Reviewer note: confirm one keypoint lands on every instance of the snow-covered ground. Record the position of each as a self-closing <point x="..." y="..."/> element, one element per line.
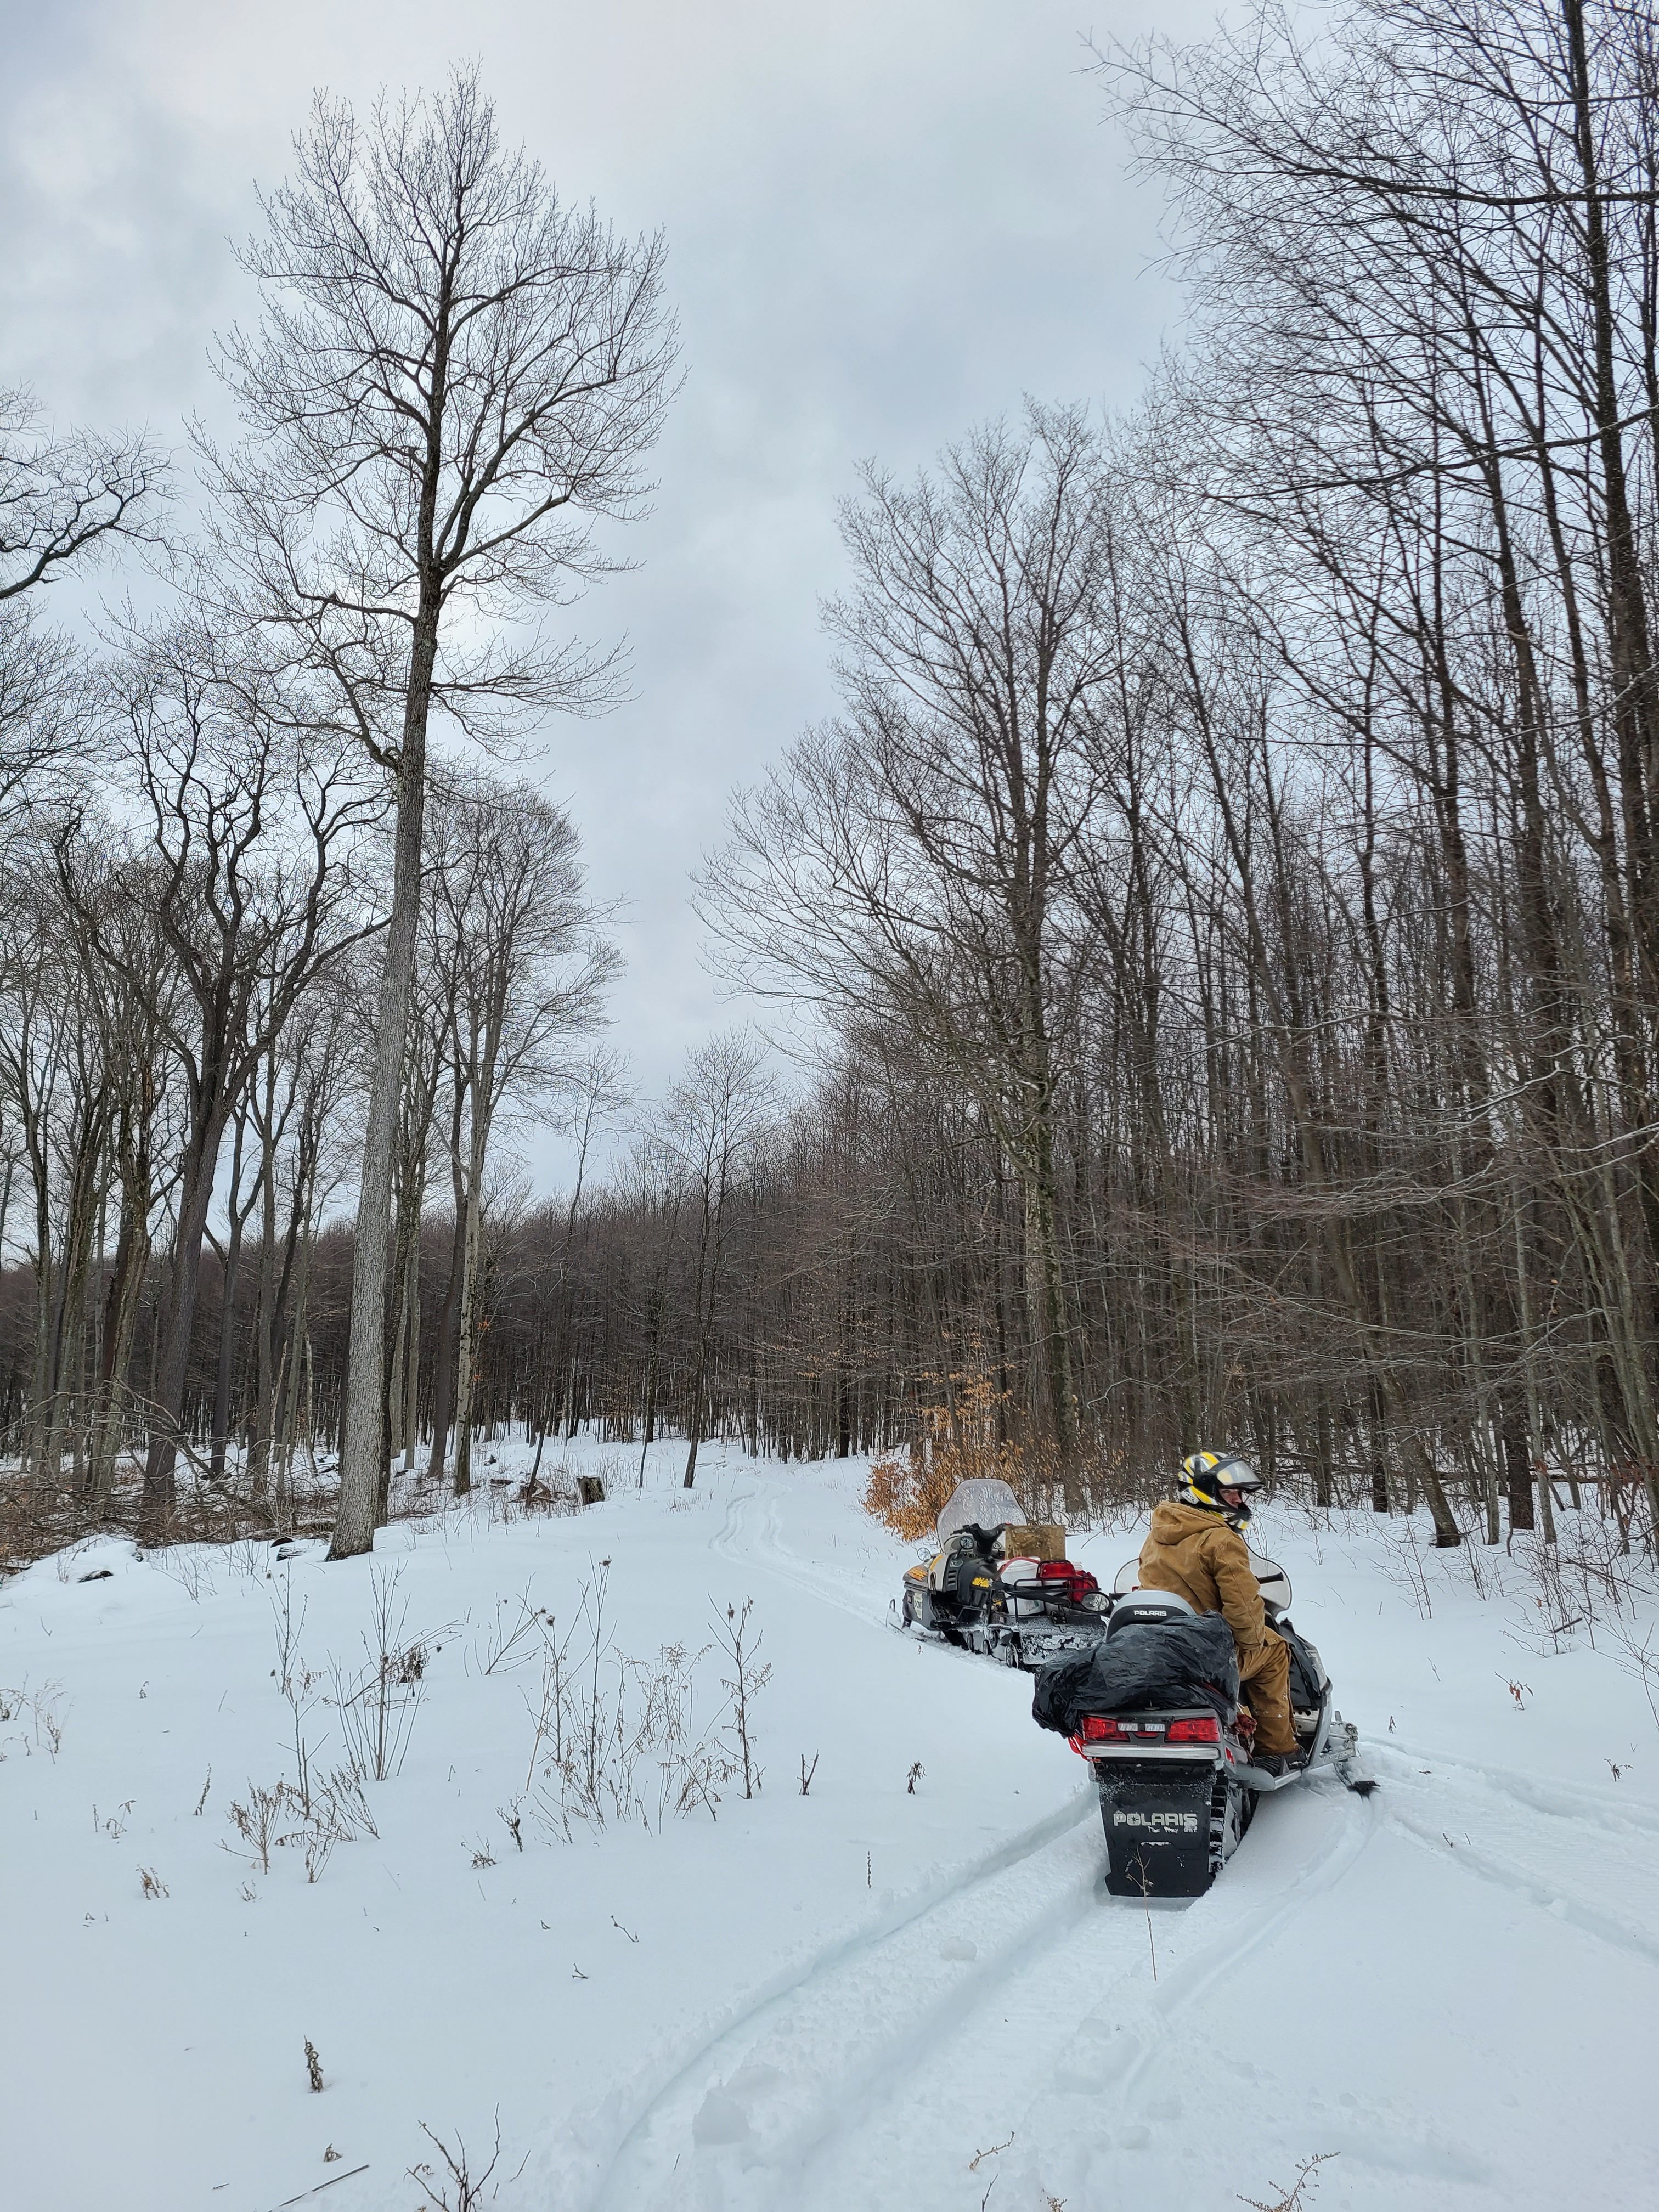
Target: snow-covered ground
<point x="871" y="1996"/>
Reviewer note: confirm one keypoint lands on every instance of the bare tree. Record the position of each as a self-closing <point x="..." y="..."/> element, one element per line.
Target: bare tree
<point x="250" y="819"/>
<point x="38" y="1030"/>
<point x="913" y="856"/>
<point x="717" y="1113"/>
<point x="595" y="1092"/>
<point x="525" y="969"/>
<point x="457" y="374"/>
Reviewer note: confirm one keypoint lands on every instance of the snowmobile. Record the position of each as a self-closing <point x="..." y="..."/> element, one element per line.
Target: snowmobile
<point x="1000" y="1585"/>
<point x="1172" y="1757"/>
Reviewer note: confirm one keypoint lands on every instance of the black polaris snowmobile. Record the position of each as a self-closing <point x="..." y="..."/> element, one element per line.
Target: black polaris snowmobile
<point x="999" y="1585"/>
<point x="1155" y="1711"/>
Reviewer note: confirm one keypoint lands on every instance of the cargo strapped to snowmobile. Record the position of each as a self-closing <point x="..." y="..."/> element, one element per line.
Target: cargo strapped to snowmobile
<point x="1179" y="1661"/>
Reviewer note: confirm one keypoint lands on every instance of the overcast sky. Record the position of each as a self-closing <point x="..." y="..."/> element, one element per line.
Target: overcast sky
<point x="885" y="218"/>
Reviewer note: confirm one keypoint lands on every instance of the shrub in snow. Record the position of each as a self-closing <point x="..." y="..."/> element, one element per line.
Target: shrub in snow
<point x="747" y="1680"/>
<point x="615" y="1739"/>
<point x="335" y="1811"/>
<point x="1301" y="2191"/>
<point x="32" y="1720"/>
<point x="435" y="2186"/>
<point x="377" y="1703"/>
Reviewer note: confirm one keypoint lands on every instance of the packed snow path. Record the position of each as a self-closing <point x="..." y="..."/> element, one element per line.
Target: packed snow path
<point x="871" y="1996"/>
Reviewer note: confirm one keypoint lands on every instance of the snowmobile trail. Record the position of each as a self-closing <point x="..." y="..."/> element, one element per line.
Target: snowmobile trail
<point x="1515" y="1858"/>
<point x="1539" y="1888"/>
<point x="964" y="2008"/>
<point x="1234" y="1928"/>
<point x="740" y="1541"/>
<point x="746" y="2116"/>
<point x="1566" y="1852"/>
<point x="765" y="2086"/>
<point x="1589" y="1804"/>
<point x="1001" y="2060"/>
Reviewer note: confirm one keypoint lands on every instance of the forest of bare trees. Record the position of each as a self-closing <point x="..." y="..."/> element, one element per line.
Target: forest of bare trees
<point x="1218" y="935"/>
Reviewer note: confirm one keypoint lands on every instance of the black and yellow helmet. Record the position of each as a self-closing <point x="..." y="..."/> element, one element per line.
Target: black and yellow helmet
<point x="1207" y="1473"/>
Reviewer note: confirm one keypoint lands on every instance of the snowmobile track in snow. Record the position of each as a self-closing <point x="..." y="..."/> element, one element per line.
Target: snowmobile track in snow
<point x="844" y="1593"/>
<point x="1243" y="1928"/>
<point x="803" y="2094"/>
<point x="998" y="2057"/>
<point x="855" y="1999"/>
<point x="1593" y="1804"/>
<point x="1491" y="1834"/>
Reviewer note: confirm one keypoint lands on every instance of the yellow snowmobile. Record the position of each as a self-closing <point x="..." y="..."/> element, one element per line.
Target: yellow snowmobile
<point x="1000" y="1585"/>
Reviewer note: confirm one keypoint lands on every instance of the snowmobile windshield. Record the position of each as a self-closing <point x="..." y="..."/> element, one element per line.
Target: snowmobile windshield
<point x="979" y="1503"/>
<point x="1275" y="1582"/>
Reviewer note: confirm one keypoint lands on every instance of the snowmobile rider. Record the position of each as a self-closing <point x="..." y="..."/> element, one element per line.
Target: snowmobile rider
<point x="1196" y="1549"/>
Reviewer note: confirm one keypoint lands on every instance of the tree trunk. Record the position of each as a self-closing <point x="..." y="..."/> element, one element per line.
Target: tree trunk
<point x="172" y="1365"/>
<point x="467" y="1350"/>
<point x="443" y="1362"/>
<point x="121" y="1327"/>
<point x="228" y="1310"/>
<point x="363" y="1413"/>
<point x="1517" y="1466"/>
<point x="412" y="1357"/>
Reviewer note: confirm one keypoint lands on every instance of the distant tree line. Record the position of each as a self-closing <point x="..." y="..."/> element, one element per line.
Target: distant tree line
<point x="1224" y="910"/>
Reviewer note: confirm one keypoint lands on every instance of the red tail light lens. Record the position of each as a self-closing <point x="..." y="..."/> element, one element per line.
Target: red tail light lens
<point x="1207" y="1730"/>
<point x="1080" y="1582"/>
<point x="1097" y="1729"/>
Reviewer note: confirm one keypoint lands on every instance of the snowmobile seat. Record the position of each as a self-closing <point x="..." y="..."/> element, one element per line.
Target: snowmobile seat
<point x="1148" y="1607"/>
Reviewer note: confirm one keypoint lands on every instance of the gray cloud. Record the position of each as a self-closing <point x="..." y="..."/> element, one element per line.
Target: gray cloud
<point x="885" y="220"/>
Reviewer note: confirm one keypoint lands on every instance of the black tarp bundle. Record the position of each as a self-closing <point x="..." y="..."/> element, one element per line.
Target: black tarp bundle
<point x="1189" y="1660"/>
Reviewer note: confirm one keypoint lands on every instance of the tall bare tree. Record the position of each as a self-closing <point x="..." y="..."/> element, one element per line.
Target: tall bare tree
<point x="457" y="376"/>
<point x="718" y="1113"/>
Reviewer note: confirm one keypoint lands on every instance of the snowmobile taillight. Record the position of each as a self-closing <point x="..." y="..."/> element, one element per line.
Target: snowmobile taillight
<point x="1204" y="1730"/>
<point x="1080" y="1580"/>
<point x="1097" y="1729"/>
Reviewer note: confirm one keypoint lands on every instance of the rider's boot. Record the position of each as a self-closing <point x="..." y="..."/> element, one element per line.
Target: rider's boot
<point x="1277" y="1762"/>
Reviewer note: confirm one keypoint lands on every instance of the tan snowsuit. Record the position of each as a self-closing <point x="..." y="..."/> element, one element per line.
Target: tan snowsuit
<point x="1197" y="1555"/>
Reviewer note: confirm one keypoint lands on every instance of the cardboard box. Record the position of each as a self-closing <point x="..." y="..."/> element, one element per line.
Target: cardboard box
<point x="1036" y="1540"/>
